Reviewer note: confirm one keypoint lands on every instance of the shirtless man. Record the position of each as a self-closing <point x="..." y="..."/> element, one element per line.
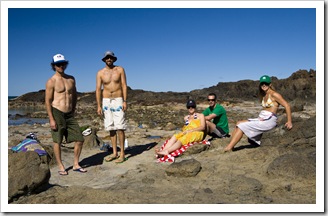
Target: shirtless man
<point x="60" y="100"/>
<point x="113" y="104"/>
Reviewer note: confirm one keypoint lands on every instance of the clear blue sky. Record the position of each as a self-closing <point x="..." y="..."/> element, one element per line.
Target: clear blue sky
<point x="161" y="49"/>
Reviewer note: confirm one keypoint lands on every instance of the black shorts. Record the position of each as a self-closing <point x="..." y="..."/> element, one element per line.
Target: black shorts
<point x="223" y="133"/>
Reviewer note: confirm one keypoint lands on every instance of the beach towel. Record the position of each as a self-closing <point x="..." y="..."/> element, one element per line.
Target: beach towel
<point x="29" y="145"/>
<point x="170" y="157"/>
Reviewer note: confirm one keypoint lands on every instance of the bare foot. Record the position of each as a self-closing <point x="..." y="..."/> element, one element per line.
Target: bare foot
<point x="162" y="153"/>
<point x="157" y="150"/>
<point x="226" y="150"/>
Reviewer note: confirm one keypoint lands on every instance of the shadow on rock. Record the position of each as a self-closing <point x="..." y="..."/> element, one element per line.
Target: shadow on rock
<point x="136" y="150"/>
<point x="93" y="160"/>
<point x="249" y="146"/>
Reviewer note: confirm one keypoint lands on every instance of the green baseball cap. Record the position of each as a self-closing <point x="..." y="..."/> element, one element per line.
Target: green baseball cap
<point x="265" y="79"/>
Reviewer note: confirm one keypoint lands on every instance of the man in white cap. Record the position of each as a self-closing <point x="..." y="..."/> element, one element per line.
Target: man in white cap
<point x="111" y="81"/>
<point x="60" y="100"/>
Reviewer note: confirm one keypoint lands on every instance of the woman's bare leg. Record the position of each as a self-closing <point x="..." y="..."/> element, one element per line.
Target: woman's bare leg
<point x="235" y="138"/>
<point x="170" y="149"/>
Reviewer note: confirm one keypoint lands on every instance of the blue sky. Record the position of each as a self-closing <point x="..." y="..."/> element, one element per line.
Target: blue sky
<point x="161" y="49"/>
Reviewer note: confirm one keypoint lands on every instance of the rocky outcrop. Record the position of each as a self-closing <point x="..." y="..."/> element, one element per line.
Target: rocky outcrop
<point x="281" y="170"/>
<point x="154" y="109"/>
<point x="301" y="85"/>
<point x="27" y="173"/>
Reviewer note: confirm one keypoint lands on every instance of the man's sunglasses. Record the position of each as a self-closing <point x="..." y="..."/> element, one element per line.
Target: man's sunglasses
<point x="61" y="65"/>
<point x="211" y="99"/>
<point x="188" y="107"/>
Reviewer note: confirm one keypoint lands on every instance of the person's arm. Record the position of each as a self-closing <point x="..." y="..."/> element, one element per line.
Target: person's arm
<point x="74" y="96"/>
<point x="201" y="117"/>
<point x="207" y="114"/>
<point x="285" y="104"/>
<point x="124" y="89"/>
<point x="49" y="96"/>
<point x="98" y="93"/>
<point x="202" y="122"/>
<point x="210" y="117"/>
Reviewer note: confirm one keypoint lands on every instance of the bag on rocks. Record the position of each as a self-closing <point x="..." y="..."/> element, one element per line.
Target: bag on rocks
<point x="30" y="144"/>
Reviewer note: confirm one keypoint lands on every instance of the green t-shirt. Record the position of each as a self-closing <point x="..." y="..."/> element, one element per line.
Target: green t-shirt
<point x="221" y="119"/>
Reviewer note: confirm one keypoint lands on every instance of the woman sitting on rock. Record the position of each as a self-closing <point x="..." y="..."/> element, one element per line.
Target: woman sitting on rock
<point x="267" y="120"/>
<point x="192" y="131"/>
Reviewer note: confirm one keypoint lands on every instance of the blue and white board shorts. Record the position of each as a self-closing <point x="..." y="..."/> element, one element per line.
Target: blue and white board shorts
<point x="114" y="116"/>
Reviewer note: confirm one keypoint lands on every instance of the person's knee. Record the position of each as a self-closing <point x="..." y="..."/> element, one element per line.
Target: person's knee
<point x="120" y="131"/>
<point x="238" y="122"/>
<point x="209" y="123"/>
<point x="79" y="143"/>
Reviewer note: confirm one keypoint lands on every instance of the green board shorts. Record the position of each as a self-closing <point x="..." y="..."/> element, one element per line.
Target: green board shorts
<point x="67" y="127"/>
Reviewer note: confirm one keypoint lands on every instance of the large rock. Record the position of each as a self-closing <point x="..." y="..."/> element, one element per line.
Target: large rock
<point x="293" y="166"/>
<point x="92" y="140"/>
<point x="303" y="133"/>
<point x="185" y="168"/>
<point x="27" y="172"/>
<point x="196" y="149"/>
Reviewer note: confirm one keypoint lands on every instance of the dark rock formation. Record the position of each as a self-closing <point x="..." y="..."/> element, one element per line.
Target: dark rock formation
<point x="300" y="85"/>
<point x="27" y="172"/>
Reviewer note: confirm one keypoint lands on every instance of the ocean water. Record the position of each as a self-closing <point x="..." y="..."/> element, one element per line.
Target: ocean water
<point x="12" y="97"/>
<point x="12" y="120"/>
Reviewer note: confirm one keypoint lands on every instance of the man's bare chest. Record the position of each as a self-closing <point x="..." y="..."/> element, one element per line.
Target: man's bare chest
<point x="64" y="85"/>
<point x="111" y="76"/>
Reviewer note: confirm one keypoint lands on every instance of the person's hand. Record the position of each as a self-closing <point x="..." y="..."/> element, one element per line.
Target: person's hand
<point x="53" y="125"/>
<point x="288" y="125"/>
<point x="187" y="131"/>
<point x="99" y="111"/>
<point x="125" y="106"/>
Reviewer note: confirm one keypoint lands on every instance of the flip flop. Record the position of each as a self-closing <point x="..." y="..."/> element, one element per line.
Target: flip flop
<point x="119" y="161"/>
<point x="110" y="158"/>
<point x="63" y="173"/>
<point x="81" y="170"/>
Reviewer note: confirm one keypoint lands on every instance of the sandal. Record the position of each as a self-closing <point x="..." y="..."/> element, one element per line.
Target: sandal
<point x="110" y="158"/>
<point x="121" y="160"/>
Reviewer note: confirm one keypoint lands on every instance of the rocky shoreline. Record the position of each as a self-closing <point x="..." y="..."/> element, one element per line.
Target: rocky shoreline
<point x="270" y="174"/>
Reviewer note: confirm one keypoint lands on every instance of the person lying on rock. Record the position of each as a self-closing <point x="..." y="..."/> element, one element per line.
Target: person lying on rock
<point x="267" y="120"/>
<point x="192" y="131"/>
